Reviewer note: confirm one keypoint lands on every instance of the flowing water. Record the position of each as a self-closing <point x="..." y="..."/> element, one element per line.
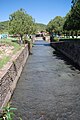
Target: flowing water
<point x="49" y="87"/>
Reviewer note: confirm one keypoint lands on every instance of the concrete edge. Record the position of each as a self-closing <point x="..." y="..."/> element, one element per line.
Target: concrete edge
<point x="13" y="86"/>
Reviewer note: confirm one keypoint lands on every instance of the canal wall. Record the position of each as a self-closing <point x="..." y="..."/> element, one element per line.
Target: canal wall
<point x="10" y="74"/>
<point x="71" y="49"/>
<point x="47" y="38"/>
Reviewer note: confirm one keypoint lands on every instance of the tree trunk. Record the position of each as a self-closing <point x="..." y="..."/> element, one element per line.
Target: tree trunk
<point x="76" y="33"/>
<point x="72" y="34"/>
<point x="21" y="39"/>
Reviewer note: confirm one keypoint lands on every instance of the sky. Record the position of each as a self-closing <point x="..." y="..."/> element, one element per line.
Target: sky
<point x="41" y="10"/>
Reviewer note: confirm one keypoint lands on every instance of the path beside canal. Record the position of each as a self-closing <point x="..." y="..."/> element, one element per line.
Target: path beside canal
<point x="49" y="87"/>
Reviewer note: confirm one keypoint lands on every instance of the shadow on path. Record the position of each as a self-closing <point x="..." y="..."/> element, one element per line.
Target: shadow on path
<point x="67" y="61"/>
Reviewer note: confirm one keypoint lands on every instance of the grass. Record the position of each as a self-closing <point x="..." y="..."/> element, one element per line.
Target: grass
<point x="8" y="113"/>
<point x="16" y="48"/>
<point x="0" y="52"/>
<point x="4" y="61"/>
<point x="14" y="44"/>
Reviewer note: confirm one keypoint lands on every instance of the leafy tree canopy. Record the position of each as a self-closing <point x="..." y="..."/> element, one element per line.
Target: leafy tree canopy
<point x="21" y="23"/>
<point x="72" y="21"/>
<point x="56" y="24"/>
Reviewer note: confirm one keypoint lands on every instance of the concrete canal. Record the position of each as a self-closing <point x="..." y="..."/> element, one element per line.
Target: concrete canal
<point x="49" y="87"/>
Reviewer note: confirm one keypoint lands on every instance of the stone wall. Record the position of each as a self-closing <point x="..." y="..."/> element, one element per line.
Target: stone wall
<point x="47" y="38"/>
<point x="69" y="48"/>
<point x="10" y="74"/>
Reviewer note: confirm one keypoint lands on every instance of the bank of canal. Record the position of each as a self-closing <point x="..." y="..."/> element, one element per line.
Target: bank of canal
<point x="49" y="87"/>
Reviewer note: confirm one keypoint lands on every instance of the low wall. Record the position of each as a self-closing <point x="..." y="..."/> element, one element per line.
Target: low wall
<point x="69" y="48"/>
<point x="47" y="38"/>
<point x="10" y="74"/>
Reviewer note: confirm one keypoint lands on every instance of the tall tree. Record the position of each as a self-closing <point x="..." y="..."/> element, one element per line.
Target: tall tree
<point x="72" y="21"/>
<point x="74" y="2"/>
<point x="20" y="23"/>
<point x="56" y="24"/>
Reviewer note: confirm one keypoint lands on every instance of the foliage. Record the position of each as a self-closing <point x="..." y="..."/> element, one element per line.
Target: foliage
<point x="8" y="113"/>
<point x="4" y="61"/>
<point x="67" y="24"/>
<point x="16" y="48"/>
<point x="74" y="2"/>
<point x="50" y="26"/>
<point x="35" y="27"/>
<point x="4" y="26"/>
<point x="40" y="27"/>
<point x="72" y="21"/>
<point x="55" y="25"/>
<point x="10" y="42"/>
<point x="21" y="23"/>
<point x="56" y="39"/>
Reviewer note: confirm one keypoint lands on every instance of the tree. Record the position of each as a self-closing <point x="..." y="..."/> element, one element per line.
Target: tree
<point x="50" y="26"/>
<point x="56" y="24"/>
<point x="75" y="14"/>
<point x="72" y="21"/>
<point x="20" y="23"/>
<point x="74" y="2"/>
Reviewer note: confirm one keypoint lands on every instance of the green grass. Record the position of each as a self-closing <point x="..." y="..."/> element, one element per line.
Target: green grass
<point x="9" y="42"/>
<point x="4" y="61"/>
<point x="16" y="46"/>
<point x="0" y="52"/>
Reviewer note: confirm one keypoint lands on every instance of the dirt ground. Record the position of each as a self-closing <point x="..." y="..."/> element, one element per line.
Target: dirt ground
<point x="5" y="50"/>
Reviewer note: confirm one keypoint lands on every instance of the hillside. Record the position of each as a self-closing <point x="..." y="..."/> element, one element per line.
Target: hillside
<point x="4" y="26"/>
<point x="40" y="27"/>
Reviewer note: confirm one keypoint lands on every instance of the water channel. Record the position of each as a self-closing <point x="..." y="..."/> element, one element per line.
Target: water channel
<point x="49" y="87"/>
